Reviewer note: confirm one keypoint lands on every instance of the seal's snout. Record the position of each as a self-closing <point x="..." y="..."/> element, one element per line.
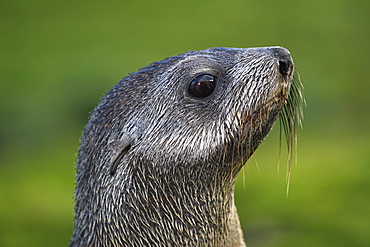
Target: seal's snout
<point x="285" y="60"/>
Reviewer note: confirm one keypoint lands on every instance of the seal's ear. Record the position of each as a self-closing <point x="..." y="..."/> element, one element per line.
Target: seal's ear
<point x="119" y="149"/>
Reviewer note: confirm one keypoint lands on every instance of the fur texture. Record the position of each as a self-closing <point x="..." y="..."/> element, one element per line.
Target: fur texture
<point x="157" y="167"/>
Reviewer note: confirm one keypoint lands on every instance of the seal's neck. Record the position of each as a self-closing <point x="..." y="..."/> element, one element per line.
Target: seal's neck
<point x="183" y="212"/>
<point x="159" y="211"/>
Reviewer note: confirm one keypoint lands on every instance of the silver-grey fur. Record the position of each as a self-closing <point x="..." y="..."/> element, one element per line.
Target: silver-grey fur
<point x="157" y="167"/>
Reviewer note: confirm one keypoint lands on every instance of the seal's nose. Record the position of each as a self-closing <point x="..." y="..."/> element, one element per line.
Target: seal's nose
<point x="284" y="59"/>
<point x="285" y="66"/>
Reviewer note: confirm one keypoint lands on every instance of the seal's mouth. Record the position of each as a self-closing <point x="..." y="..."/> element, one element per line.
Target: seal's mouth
<point x="287" y="105"/>
<point x="290" y="118"/>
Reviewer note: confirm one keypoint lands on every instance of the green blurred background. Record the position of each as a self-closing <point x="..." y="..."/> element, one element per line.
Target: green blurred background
<point x="58" y="58"/>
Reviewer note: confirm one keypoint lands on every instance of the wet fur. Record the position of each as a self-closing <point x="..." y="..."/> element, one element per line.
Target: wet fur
<point x="157" y="167"/>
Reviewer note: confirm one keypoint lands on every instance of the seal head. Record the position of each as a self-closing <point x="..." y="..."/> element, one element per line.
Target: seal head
<point x="159" y="157"/>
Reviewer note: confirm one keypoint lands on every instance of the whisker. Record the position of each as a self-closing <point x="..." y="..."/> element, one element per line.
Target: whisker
<point x="290" y="118"/>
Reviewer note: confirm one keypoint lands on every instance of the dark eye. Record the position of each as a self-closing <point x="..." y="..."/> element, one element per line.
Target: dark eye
<point x="202" y="86"/>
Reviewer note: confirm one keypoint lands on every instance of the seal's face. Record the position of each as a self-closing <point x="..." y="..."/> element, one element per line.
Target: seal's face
<point x="201" y="107"/>
<point x="203" y="104"/>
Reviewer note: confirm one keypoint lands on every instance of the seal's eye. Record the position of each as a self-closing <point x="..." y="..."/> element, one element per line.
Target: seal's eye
<point x="202" y="86"/>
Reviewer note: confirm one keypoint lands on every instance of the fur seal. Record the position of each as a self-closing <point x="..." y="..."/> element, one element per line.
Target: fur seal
<point x="160" y="154"/>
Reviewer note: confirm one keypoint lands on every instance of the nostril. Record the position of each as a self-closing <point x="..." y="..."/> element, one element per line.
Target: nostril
<point x="284" y="59"/>
<point x="284" y="66"/>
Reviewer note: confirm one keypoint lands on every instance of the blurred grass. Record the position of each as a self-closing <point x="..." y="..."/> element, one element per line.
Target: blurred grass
<point x="58" y="58"/>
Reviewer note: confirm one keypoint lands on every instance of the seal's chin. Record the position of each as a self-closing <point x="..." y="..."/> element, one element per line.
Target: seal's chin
<point x="285" y="104"/>
<point x="256" y="126"/>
